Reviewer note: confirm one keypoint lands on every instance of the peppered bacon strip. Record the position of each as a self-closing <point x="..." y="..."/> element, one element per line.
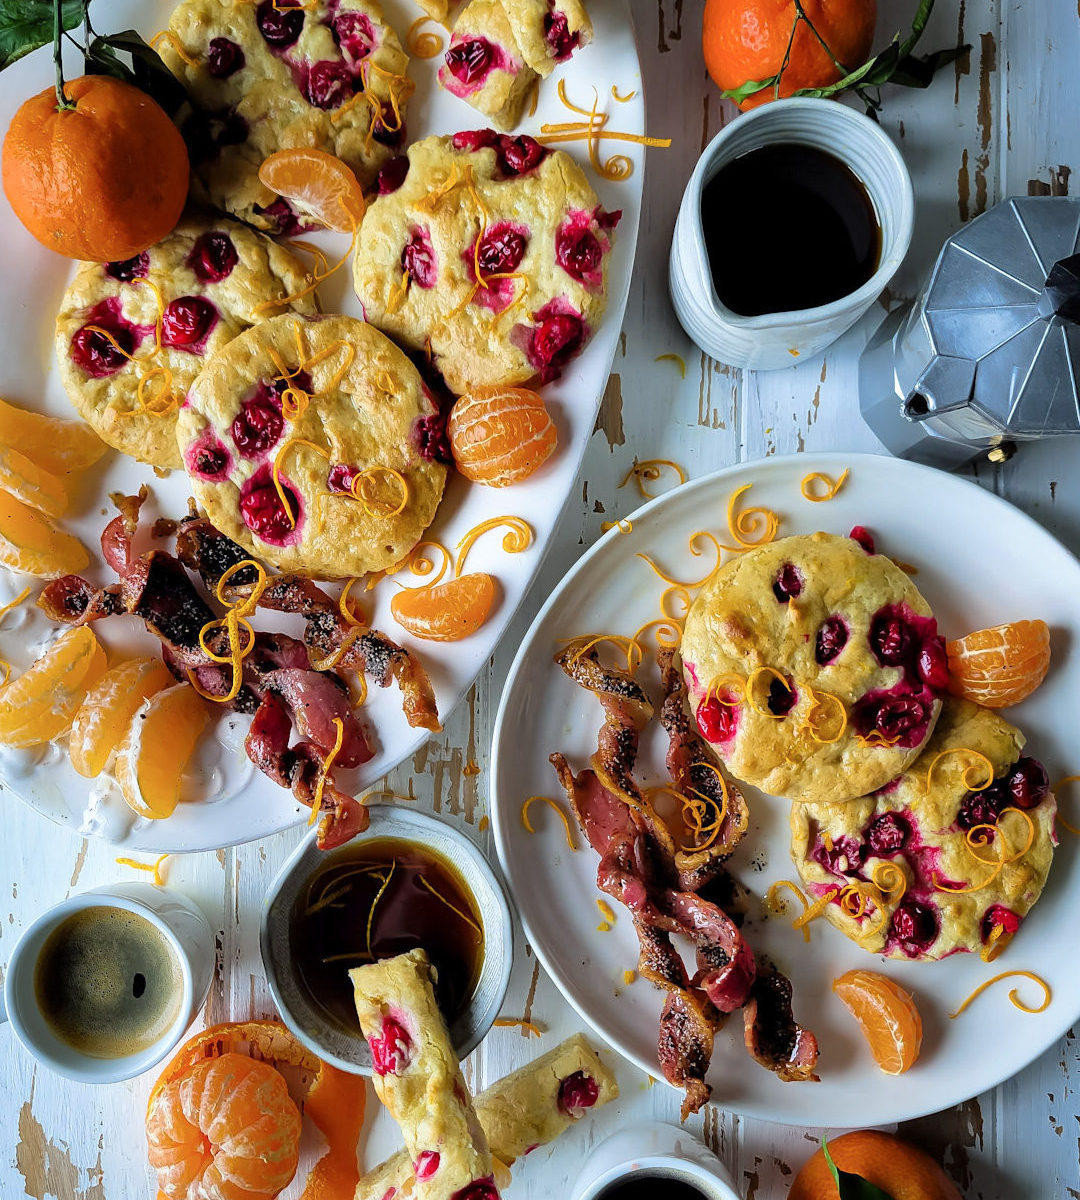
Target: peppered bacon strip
<point x="772" y="1035"/>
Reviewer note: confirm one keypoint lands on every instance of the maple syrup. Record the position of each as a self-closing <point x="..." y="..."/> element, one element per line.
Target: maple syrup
<point x="412" y="898"/>
<point x="788" y="227"/>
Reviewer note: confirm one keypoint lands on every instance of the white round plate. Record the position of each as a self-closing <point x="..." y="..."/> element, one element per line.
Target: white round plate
<point x="980" y="562"/>
<point x="226" y="800"/>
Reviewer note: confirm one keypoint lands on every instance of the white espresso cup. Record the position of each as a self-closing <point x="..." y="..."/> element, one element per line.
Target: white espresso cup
<point x="658" y="1151"/>
<point x="190" y="943"/>
<point x="780" y="339"/>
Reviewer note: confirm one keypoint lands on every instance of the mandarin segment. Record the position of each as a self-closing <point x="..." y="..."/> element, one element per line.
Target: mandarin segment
<point x="447" y="612"/>
<point x="31" y="484"/>
<point x="104" y="717"/>
<point x="42" y="702"/>
<point x="1002" y="665"/>
<point x="29" y="542"/>
<point x="500" y="435"/>
<point x="160" y="740"/>
<point x="887" y="1015"/>
<point x="53" y="444"/>
<point x="316" y="183"/>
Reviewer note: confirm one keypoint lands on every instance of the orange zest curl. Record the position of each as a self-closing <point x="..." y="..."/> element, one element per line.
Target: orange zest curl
<point x="372" y="506"/>
<point x="1014" y="997"/>
<point x="558" y="810"/>
<point x="733" y="686"/>
<point x="378" y="896"/>
<point x="890" y="880"/>
<point x="970" y="783"/>
<point x="622" y="525"/>
<point x="695" y="538"/>
<point x="818" y="700"/>
<point x="234" y="620"/>
<point x="752" y="679"/>
<point x="743" y="525"/>
<point x="518" y="538"/>
<point x="776" y="904"/>
<point x="324" y="770"/>
<point x="528" y="1028"/>
<point x="349" y="606"/>
<point x="832" y="487"/>
<point x="154" y="868"/>
<point x="13" y="604"/>
<point x="632" y="650"/>
<point x="1060" y="819"/>
<point x="621" y="99"/>
<point x="677" y="359"/>
<point x="421" y="565"/>
<point x="995" y="944"/>
<point x="276" y="472"/>
<point x="668" y="626"/>
<point x="981" y="835"/>
<point x="648" y="470"/>
<point x="422" y="45"/>
<point x="314" y="278"/>
<point x="167" y="35"/>
<point x="453" y="907"/>
<point x="875" y="739"/>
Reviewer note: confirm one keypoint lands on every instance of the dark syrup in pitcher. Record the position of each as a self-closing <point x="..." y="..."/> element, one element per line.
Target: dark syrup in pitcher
<point x="788" y="227"/>
<point x="651" y="1185"/>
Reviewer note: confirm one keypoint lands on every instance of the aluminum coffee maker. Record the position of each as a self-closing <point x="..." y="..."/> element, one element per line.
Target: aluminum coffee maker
<point x="988" y="357"/>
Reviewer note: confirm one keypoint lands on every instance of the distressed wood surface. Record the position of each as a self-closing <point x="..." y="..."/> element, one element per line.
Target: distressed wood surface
<point x="1002" y="123"/>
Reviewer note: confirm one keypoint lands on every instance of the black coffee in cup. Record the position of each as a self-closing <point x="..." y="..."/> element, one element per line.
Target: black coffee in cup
<point x="107" y="982"/>
<point x="658" y="1183"/>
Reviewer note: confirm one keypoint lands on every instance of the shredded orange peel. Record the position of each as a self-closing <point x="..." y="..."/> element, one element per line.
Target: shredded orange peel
<point x="558" y="809"/>
<point x="696" y="538"/>
<point x="984" y="835"/>
<point x="453" y="907"/>
<point x="875" y="740"/>
<point x="668" y="627"/>
<point x="527" y="1027"/>
<point x="677" y="359"/>
<point x="1014" y="995"/>
<point x="632" y="650"/>
<point x="607" y="912"/>
<point x="742" y="525"/>
<point x="517" y="539"/>
<point x="371" y="504"/>
<point x="374" y="904"/>
<point x="831" y="486"/>
<point x="420" y="565"/>
<point x="154" y="868"/>
<point x="621" y="99"/>
<point x="970" y="782"/>
<point x="622" y="525"/>
<point x="733" y="686"/>
<point x="649" y="470"/>
<point x="324" y="770"/>
<point x="422" y="45"/>
<point x="13" y="604"/>
<point x="1060" y="819"/>
<point x="779" y="905"/>
<point x="167" y="35"/>
<point x="819" y="700"/>
<point x="751" y="681"/>
<point x="235" y="619"/>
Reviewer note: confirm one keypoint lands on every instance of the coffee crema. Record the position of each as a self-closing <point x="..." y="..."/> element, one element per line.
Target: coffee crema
<point x="108" y="983"/>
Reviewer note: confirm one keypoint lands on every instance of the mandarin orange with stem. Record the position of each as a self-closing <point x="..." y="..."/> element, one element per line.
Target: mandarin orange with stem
<point x="500" y="435"/>
<point x="318" y="184"/>
<point x="752" y="41"/>
<point x="226" y="1129"/>
<point x="1002" y="665"/>
<point x="104" y="717"/>
<point x="42" y="702"/>
<point x="448" y="611"/>
<point x="901" y="1170"/>
<point x="99" y="175"/>
<point x="887" y="1015"/>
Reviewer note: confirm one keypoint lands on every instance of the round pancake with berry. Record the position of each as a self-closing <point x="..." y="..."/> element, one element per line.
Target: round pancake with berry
<point x="204" y="284"/>
<point x="813" y="667"/>
<point x="491" y="254"/>
<point x="280" y="74"/>
<point x="314" y="444"/>
<point x="931" y="865"/>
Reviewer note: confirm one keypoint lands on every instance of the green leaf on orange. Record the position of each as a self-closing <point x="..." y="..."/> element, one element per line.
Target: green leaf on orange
<point x="27" y="24"/>
<point x="849" y="1185"/>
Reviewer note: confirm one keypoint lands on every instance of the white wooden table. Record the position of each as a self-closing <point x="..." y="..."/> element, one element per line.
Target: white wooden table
<point x="1005" y="124"/>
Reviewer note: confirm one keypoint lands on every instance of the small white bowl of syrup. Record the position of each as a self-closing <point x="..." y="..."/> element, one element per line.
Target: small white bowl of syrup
<point x="647" y="1161"/>
<point x="410" y="880"/>
<point x="796" y="217"/>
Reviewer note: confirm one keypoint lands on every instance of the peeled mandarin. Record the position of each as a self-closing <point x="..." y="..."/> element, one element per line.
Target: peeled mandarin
<point x="316" y="183"/>
<point x="160" y="740"/>
<point x="30" y="542"/>
<point x="887" y="1016"/>
<point x="31" y="484"/>
<point x="51" y="443"/>
<point x="500" y="435"/>
<point x="104" y="717"/>
<point x="1002" y="665"/>
<point x="42" y="702"/>
<point x="446" y="612"/>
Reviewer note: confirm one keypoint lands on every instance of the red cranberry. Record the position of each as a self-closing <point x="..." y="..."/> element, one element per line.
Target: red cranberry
<point x="262" y="510"/>
<point x="831" y="639"/>
<point x="392" y="175"/>
<point x="577" y="1092"/>
<point x="210" y="460"/>
<point x="388" y="129"/>
<point x="1028" y="784"/>
<point x="782" y="698"/>
<point x="129" y="268"/>
<point x="520" y="155"/>
<point x="257" y="426"/>
<point x="326" y="84"/>
<point x="427" y="1163"/>
<point x="717" y="721"/>
<point x="277" y="388"/>
<point x="997" y="916"/>
<point x="280" y="22"/>
<point x="354" y="33"/>
<point x="418" y="258"/>
<point x="187" y="321"/>
<point x="223" y="58"/>
<point x="213" y="256"/>
<point x="556" y="340"/>
<point x="864" y="537"/>
<point x="577" y="250"/>
<point x="557" y="34"/>
<point x="888" y="833"/>
<point x="429" y="435"/>
<point x="789" y="583"/>
<point x="981" y="808"/>
<point x="479" y="1189"/>
<point x="95" y="354"/>
<point x="842" y="859"/>
<point x="899" y="715"/>
<point x="390" y="1052"/>
<point x="915" y="926"/>
<point x="891" y="640"/>
<point x="933" y="664"/>
<point x="501" y="249"/>
<point x="607" y="220"/>
<point x="470" y="61"/>
<point x="340" y="477"/>
<point x="475" y="139"/>
<point x="284" y="217"/>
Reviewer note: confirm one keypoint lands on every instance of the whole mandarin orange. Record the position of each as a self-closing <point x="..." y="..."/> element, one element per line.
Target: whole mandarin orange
<point x="746" y="40"/>
<point x="897" y="1167"/>
<point x="100" y="181"/>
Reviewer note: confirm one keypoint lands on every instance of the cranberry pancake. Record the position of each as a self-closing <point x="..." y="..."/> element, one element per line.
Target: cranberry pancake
<point x="813" y="667"/>
<point x="204" y="284"/>
<point x="548" y="31"/>
<point x="484" y="65"/>
<point x="488" y="252"/>
<point x="946" y="863"/>
<point x="280" y="74"/>
<point x="313" y="443"/>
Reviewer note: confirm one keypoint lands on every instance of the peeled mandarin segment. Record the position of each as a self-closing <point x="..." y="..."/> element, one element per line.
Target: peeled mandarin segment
<point x="53" y="444"/>
<point x="317" y="183"/>
<point x="160" y="740"/>
<point x="447" y="612"/>
<point x="31" y="484"/>
<point x="104" y="717"/>
<point x="1002" y="665"/>
<point x="887" y="1016"/>
<point x="30" y="542"/>
<point x="500" y="435"/>
<point x="42" y="702"/>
